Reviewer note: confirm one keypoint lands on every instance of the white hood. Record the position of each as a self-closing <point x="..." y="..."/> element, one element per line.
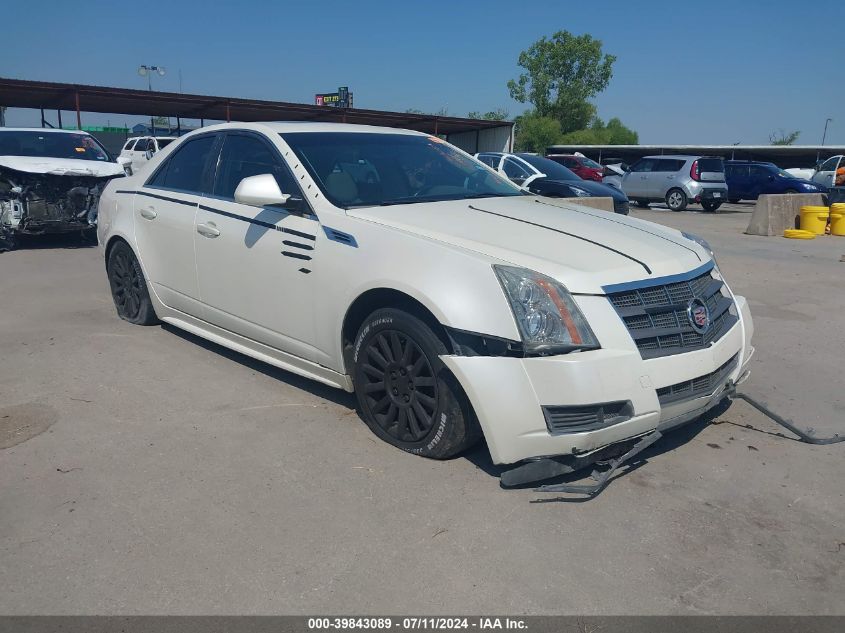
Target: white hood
<point x="583" y="248"/>
<point x="61" y="166"/>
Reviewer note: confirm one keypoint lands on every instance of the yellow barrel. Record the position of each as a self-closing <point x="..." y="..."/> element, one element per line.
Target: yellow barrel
<point x="814" y="219"/>
<point x="837" y="219"/>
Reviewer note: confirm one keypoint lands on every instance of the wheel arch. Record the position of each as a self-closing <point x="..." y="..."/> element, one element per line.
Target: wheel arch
<point x="112" y="242"/>
<point x="378" y="298"/>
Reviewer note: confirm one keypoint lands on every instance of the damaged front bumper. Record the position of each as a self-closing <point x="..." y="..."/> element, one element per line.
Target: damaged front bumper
<point x="35" y="204"/>
<point x="579" y="408"/>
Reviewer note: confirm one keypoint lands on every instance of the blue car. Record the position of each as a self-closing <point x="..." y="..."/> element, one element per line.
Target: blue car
<point x="748" y="179"/>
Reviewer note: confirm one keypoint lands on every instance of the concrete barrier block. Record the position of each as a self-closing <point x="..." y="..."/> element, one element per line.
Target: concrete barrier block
<point x="774" y="213"/>
<point x="605" y="204"/>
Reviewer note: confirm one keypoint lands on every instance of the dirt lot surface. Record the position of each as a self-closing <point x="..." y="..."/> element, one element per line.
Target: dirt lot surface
<point x="146" y="471"/>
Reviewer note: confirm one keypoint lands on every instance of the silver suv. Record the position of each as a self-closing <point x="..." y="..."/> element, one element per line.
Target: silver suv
<point x="677" y="180"/>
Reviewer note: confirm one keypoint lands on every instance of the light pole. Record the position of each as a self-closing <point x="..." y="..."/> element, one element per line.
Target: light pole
<point x="828" y="120"/>
<point x="147" y="71"/>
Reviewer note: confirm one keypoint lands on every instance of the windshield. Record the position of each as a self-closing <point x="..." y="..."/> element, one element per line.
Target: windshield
<point x="554" y="171"/>
<point x="51" y="145"/>
<point x="360" y="169"/>
<point x="587" y="162"/>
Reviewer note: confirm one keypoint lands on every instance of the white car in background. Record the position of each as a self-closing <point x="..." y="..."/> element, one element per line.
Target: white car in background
<point x="50" y="182"/>
<point x="390" y="264"/>
<point x="139" y="149"/>
<point x="826" y="172"/>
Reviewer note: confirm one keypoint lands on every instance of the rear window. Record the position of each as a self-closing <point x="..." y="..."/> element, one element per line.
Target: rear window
<point x="711" y="165"/>
<point x="164" y="142"/>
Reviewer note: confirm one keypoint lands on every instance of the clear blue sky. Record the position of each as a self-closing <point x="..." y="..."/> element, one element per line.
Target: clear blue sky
<point x="687" y="71"/>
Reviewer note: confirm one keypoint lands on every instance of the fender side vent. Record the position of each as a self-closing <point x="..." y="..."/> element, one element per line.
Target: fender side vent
<point x="339" y="236"/>
<point x="580" y="419"/>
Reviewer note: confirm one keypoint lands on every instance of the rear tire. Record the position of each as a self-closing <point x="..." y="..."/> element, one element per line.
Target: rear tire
<point x="676" y="200"/>
<point x="642" y="204"/>
<point x="128" y="286"/>
<point x="406" y="394"/>
<point x="710" y="206"/>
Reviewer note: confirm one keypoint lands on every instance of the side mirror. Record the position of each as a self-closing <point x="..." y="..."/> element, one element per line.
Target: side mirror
<point x="771" y="177"/>
<point x="260" y="191"/>
<point x="149" y="154"/>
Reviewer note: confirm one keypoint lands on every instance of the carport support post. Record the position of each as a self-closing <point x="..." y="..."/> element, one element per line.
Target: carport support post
<point x="42" y="118"/>
<point x="228" y="113"/>
<point x="78" y="113"/>
<point x="178" y="126"/>
<point x="59" y="112"/>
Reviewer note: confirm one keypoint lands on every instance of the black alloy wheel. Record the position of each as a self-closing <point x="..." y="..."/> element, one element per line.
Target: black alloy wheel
<point x="128" y="286"/>
<point x="401" y="389"/>
<point x="405" y="393"/>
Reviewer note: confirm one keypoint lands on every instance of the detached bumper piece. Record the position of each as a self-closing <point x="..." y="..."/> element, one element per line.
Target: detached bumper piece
<point x="554" y="467"/>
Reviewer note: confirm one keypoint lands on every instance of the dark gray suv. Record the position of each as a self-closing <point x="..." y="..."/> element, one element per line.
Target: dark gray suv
<point x="677" y="180"/>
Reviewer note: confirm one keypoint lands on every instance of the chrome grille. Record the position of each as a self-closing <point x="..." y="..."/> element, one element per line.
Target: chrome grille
<point x="656" y="316"/>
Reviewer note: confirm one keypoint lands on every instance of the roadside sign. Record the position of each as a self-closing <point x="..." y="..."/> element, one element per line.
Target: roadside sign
<point x="340" y="99"/>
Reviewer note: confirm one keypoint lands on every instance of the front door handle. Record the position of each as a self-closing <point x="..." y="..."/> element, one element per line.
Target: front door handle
<point x="149" y="213"/>
<point x="208" y="230"/>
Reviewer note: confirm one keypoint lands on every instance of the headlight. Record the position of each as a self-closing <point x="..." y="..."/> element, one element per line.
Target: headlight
<point x="581" y="193"/>
<point x="549" y="322"/>
<point x="701" y="241"/>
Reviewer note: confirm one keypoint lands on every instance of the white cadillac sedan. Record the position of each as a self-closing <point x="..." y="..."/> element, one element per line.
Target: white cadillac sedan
<point x="392" y="264"/>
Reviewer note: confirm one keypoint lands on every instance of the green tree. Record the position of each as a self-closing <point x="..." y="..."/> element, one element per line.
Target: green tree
<point x="494" y="115"/>
<point x="782" y="138"/>
<point x="535" y="133"/>
<point x="614" y="133"/>
<point x="562" y="74"/>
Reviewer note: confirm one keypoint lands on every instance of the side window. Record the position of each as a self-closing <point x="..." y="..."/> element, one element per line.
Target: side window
<point x="129" y="144"/>
<point x="184" y="169"/>
<point x="829" y="164"/>
<point x="643" y="165"/>
<point x="244" y="156"/>
<point x="513" y="169"/>
<point x="758" y="172"/>
<point x="141" y="145"/>
<point x="489" y="160"/>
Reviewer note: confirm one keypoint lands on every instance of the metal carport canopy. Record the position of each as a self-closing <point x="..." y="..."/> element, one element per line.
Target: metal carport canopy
<point x="18" y="93"/>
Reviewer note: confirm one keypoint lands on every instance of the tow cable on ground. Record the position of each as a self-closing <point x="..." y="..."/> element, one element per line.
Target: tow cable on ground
<point x="523" y="474"/>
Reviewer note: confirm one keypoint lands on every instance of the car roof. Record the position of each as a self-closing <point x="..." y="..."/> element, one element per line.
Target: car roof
<point x="281" y="127"/>
<point x="749" y="162"/>
<point x="133" y="138"/>
<point x="42" y="129"/>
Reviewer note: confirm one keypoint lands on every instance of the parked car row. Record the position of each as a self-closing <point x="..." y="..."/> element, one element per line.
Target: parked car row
<point x="707" y="180"/>
<point x="549" y="178"/>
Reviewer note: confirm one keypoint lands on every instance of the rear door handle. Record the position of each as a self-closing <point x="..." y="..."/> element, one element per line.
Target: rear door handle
<point x="208" y="230"/>
<point x="149" y="213"/>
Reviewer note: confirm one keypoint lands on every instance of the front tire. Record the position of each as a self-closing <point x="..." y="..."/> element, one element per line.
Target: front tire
<point x="128" y="286"/>
<point x="676" y="200"/>
<point x="406" y="394"/>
